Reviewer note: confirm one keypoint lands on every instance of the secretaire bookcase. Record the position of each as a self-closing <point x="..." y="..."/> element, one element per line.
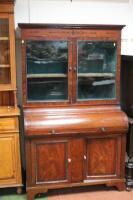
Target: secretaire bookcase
<point x="74" y="128"/>
<point x="10" y="165"/>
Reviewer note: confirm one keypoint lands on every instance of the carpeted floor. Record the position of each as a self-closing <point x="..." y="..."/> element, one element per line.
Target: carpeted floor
<point x="82" y="193"/>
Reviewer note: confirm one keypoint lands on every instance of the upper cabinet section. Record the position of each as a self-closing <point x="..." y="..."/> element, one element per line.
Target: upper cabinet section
<point x="70" y="64"/>
<point x="7" y="48"/>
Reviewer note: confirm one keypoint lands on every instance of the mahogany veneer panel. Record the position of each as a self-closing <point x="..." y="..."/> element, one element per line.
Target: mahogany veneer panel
<point x="101" y="157"/>
<point x="51" y="161"/>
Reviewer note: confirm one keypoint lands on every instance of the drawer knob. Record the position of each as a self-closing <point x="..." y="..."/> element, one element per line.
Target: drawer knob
<point x="69" y="160"/>
<point x="103" y="129"/>
<point x="53" y="131"/>
<point x="84" y="157"/>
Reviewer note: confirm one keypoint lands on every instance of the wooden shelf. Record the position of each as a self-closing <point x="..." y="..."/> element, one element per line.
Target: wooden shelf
<point x="4" y="38"/>
<point x="46" y="75"/>
<point x="8" y="87"/>
<point x="96" y="75"/>
<point x="4" y="66"/>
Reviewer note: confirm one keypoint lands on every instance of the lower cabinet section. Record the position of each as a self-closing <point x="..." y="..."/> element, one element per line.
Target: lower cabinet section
<point x="67" y="161"/>
<point x="10" y="170"/>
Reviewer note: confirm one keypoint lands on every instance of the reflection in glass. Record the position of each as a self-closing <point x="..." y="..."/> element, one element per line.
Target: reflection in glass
<point x="96" y="70"/>
<point x="47" y="70"/>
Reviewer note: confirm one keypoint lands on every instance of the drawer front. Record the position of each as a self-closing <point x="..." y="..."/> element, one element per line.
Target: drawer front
<point x="8" y="124"/>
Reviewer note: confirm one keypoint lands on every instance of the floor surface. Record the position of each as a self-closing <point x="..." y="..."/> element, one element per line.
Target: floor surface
<point x="85" y="193"/>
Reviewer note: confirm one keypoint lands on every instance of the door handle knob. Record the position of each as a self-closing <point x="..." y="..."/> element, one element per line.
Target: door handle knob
<point x="84" y="157"/>
<point x="69" y="160"/>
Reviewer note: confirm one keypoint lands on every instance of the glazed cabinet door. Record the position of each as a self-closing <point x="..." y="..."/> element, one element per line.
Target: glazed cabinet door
<point x="9" y="159"/>
<point x="103" y="156"/>
<point x="48" y="70"/>
<point x="51" y="161"/>
<point x="7" y="53"/>
<point x="96" y="70"/>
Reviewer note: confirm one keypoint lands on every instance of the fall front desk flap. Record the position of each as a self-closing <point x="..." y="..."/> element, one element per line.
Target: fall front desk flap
<point x="100" y="120"/>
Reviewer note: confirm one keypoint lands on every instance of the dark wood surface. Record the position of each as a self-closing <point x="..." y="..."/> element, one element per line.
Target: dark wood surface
<point x="127" y="85"/>
<point x="71" y="26"/>
<point x="73" y="143"/>
<point x="7" y="1"/>
<point x="130" y="138"/>
<point x="127" y="106"/>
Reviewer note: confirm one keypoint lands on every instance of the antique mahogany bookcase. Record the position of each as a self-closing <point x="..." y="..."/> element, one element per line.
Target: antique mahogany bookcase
<point x="10" y="167"/>
<point x="74" y="128"/>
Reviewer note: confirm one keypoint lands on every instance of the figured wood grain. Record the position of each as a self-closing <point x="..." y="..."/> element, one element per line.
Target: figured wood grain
<point x="42" y="122"/>
<point x="51" y="161"/>
<point x="101" y="157"/>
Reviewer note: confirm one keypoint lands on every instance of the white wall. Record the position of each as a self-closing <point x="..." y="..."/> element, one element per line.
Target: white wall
<point x="80" y="11"/>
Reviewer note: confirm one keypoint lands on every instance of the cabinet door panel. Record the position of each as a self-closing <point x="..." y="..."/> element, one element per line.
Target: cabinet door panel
<point x="9" y="159"/>
<point x="51" y="158"/>
<point x="102" y="157"/>
<point x="6" y="157"/>
<point x="96" y="70"/>
<point x="47" y="70"/>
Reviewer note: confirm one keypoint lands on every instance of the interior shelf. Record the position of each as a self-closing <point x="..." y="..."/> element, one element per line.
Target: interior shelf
<point x="4" y="66"/>
<point x="96" y="75"/>
<point x="4" y="38"/>
<point x="46" y="75"/>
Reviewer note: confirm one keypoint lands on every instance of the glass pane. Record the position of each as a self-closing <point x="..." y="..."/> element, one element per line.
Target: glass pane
<point x="96" y="70"/>
<point x="4" y="52"/>
<point x="4" y="27"/>
<point x="47" y="70"/>
<point x="4" y="75"/>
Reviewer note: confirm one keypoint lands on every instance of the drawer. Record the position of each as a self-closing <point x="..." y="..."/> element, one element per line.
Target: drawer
<point x="8" y="124"/>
